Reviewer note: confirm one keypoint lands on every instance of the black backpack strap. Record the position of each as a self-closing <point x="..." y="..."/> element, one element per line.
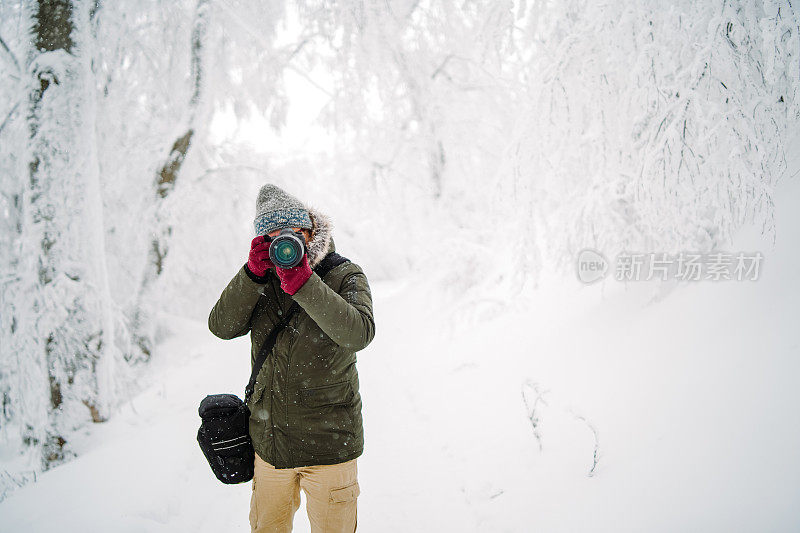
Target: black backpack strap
<point x="326" y="265"/>
<point x="267" y="347"/>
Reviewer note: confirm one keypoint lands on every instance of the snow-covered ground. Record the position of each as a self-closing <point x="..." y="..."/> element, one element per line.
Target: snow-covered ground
<point x="691" y="400"/>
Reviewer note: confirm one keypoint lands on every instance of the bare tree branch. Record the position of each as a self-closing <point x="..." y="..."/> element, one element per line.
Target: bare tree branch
<point x="5" y="47"/>
<point x="596" y="451"/>
<point x="532" y="396"/>
<point x="8" y="117"/>
<point x="257" y="36"/>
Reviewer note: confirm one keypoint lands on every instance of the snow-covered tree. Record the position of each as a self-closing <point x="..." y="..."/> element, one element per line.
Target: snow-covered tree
<point x="77" y="151"/>
<point x="544" y="128"/>
<point x="105" y="116"/>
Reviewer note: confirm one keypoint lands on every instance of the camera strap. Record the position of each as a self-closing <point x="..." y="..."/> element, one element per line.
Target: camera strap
<point x="326" y="265"/>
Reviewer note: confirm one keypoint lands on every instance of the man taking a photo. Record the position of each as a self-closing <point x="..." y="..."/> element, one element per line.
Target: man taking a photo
<point x="305" y="421"/>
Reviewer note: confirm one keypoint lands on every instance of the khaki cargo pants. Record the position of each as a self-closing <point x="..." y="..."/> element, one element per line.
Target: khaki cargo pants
<point x="331" y="494"/>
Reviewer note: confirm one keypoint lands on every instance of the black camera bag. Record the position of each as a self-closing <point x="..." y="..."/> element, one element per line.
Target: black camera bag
<point x="224" y="437"/>
<point x="224" y="434"/>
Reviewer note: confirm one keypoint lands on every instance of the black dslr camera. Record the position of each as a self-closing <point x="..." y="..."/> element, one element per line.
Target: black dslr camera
<point x="287" y="248"/>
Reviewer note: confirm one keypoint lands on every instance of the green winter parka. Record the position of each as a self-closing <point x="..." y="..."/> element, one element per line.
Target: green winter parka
<point x="306" y="407"/>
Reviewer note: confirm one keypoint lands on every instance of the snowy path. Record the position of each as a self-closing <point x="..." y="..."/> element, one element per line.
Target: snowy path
<point x="693" y="399"/>
<point x="685" y="441"/>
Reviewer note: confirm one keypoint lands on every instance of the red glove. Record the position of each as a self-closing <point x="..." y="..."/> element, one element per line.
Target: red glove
<point x="259" y="262"/>
<point x="294" y="278"/>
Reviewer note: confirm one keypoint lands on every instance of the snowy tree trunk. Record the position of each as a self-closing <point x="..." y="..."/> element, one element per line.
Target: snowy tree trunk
<point x="168" y="174"/>
<point x="62" y="334"/>
<point x="46" y="242"/>
<point x="96" y="231"/>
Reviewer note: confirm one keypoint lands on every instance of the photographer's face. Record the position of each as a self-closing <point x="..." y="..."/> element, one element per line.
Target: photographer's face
<point x="306" y="233"/>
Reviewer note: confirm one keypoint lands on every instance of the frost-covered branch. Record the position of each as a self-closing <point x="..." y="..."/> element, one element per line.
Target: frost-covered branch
<point x="8" y="116"/>
<point x="532" y="396"/>
<point x="10" y="54"/>
<point x="596" y="448"/>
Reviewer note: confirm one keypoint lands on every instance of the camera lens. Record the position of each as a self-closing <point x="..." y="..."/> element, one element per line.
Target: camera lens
<point x="286" y="249"/>
<point x="286" y="252"/>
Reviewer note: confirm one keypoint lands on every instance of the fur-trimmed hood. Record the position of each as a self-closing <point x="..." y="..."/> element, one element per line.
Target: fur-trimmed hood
<point x="321" y="236"/>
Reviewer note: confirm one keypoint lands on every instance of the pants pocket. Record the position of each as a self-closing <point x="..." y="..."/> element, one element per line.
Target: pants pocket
<point x="344" y="494"/>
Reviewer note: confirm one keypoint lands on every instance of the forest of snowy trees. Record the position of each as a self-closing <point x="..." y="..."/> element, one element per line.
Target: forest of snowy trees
<point x="541" y="127"/>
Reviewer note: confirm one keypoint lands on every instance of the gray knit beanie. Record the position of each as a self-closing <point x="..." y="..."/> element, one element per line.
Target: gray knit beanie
<point x="277" y="209"/>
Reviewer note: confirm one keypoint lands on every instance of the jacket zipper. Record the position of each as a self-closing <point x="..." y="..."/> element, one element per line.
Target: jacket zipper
<point x="272" y="389"/>
<point x="271" y="419"/>
<point x="286" y="380"/>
